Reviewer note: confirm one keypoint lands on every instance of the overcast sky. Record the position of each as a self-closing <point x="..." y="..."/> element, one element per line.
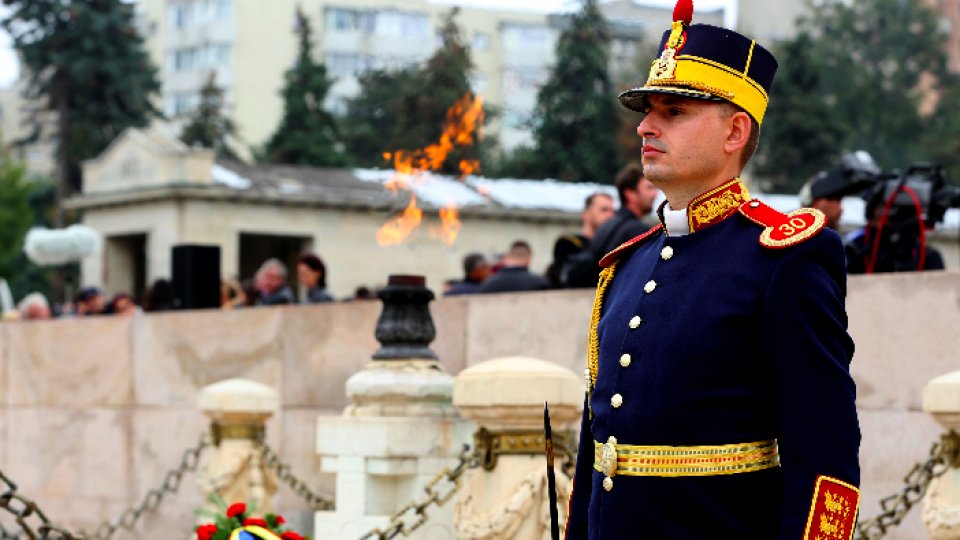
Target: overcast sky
<point x="9" y="68"/>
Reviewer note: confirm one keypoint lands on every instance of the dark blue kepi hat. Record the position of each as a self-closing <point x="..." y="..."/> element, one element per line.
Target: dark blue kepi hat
<point x="708" y="62"/>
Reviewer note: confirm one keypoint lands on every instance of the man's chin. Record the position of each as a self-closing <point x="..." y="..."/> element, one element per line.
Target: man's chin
<point x="656" y="175"/>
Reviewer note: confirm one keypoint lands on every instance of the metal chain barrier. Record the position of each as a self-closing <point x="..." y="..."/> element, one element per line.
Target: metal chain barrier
<point x="24" y="511"/>
<point x="316" y="500"/>
<point x="411" y="517"/>
<point x="171" y="484"/>
<point x="23" y="508"/>
<point x="944" y="455"/>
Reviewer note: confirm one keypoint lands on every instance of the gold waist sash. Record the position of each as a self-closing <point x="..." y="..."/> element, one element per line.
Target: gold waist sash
<point x="612" y="459"/>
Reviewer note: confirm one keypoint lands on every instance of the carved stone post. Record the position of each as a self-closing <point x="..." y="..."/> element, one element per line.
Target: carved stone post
<point x="400" y="428"/>
<point x="941" y="504"/>
<point x="234" y="469"/>
<point x="507" y="498"/>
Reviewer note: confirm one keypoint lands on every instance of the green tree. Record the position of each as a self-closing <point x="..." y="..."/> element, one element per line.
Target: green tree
<point x="407" y="108"/>
<point x="576" y="121"/>
<point x="16" y="215"/>
<point x="863" y="67"/>
<point x="307" y="134"/>
<point x="373" y="116"/>
<point x="798" y="140"/>
<point x="86" y="63"/>
<point x="207" y="125"/>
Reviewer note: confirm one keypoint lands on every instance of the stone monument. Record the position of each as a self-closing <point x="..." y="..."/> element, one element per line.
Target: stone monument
<point x="506" y="498"/>
<point x="941" y="504"/>
<point x="234" y="468"/>
<point x="400" y="428"/>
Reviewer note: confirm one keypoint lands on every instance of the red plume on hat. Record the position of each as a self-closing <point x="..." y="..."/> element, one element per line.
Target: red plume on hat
<point x="683" y="11"/>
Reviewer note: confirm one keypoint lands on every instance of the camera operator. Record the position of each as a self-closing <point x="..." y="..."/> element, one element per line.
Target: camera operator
<point x="900" y="209"/>
<point x="825" y="192"/>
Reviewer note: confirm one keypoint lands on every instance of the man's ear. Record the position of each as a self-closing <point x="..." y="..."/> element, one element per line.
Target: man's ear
<point x="738" y="133"/>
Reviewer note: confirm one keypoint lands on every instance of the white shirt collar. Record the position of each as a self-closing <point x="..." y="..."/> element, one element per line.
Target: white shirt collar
<point x="676" y="221"/>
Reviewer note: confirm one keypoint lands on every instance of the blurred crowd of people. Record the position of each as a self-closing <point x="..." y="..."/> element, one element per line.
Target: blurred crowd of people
<point x="268" y="287"/>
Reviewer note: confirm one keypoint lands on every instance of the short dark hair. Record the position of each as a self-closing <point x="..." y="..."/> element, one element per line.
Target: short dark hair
<point x="314" y="263"/>
<point x="86" y="294"/>
<point x="589" y="200"/>
<point x="471" y="262"/>
<point x="520" y="248"/>
<point x="753" y="141"/>
<point x="627" y="180"/>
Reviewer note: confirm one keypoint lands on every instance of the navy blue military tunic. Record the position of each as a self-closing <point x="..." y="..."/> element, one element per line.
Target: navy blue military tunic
<point x="713" y="339"/>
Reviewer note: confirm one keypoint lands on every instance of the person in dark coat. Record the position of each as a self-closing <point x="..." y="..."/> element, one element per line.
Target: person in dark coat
<point x="476" y="268"/>
<point x="719" y="398"/>
<point x="632" y="218"/>
<point x="597" y="209"/>
<point x="271" y="282"/>
<point x="312" y="274"/>
<point x="514" y="275"/>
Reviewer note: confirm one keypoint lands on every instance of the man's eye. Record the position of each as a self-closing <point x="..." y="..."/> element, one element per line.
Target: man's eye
<point x="674" y="111"/>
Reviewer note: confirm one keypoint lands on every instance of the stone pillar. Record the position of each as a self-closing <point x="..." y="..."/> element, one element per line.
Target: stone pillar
<point x="507" y="498"/>
<point x="400" y="428"/>
<point x="233" y="468"/>
<point x="941" y="505"/>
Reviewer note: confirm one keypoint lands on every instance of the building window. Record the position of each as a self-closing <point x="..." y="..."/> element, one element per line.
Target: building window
<point x="203" y="11"/>
<point x="350" y="20"/>
<point x="523" y="79"/>
<point x="527" y="38"/>
<point x="211" y="55"/>
<point x="403" y="24"/>
<point x="180" y="103"/>
<point x="222" y="9"/>
<point x="178" y="15"/>
<point x="481" y="41"/>
<point x="345" y="64"/>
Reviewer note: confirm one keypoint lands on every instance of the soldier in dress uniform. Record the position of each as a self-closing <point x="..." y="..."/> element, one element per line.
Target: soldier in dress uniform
<point x="720" y="403"/>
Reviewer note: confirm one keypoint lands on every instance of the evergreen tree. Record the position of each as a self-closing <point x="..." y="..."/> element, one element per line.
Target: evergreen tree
<point x="207" y="125"/>
<point x="86" y="64"/>
<point x="371" y="124"/>
<point x="307" y="134"/>
<point x="855" y="78"/>
<point x="798" y="140"/>
<point x="16" y="215"/>
<point x="576" y="121"/>
<point x="406" y="109"/>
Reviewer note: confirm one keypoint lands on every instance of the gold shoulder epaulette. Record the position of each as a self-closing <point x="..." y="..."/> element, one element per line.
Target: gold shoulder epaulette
<point x="783" y="230"/>
<point x="615" y="255"/>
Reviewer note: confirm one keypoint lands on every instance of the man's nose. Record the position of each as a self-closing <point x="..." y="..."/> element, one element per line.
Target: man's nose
<point x="646" y="128"/>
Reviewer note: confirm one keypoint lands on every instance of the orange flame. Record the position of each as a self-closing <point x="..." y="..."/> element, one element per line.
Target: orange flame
<point x="449" y="227"/>
<point x="462" y="122"/>
<point x="396" y="230"/>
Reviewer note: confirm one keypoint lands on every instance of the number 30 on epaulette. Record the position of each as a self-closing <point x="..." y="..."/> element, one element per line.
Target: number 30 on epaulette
<point x="798" y="226"/>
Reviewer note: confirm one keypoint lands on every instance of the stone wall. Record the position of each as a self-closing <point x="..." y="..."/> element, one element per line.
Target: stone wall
<point x="93" y="412"/>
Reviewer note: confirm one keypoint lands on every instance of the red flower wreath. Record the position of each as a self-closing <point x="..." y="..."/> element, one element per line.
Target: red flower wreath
<point x="235" y="517"/>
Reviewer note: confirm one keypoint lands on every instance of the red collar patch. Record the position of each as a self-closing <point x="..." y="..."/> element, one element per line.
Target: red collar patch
<point x="614" y="255"/>
<point x="716" y="205"/>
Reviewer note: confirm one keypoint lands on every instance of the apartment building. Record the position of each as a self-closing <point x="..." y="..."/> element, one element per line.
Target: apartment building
<point x="250" y="44"/>
<point x="16" y="115"/>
